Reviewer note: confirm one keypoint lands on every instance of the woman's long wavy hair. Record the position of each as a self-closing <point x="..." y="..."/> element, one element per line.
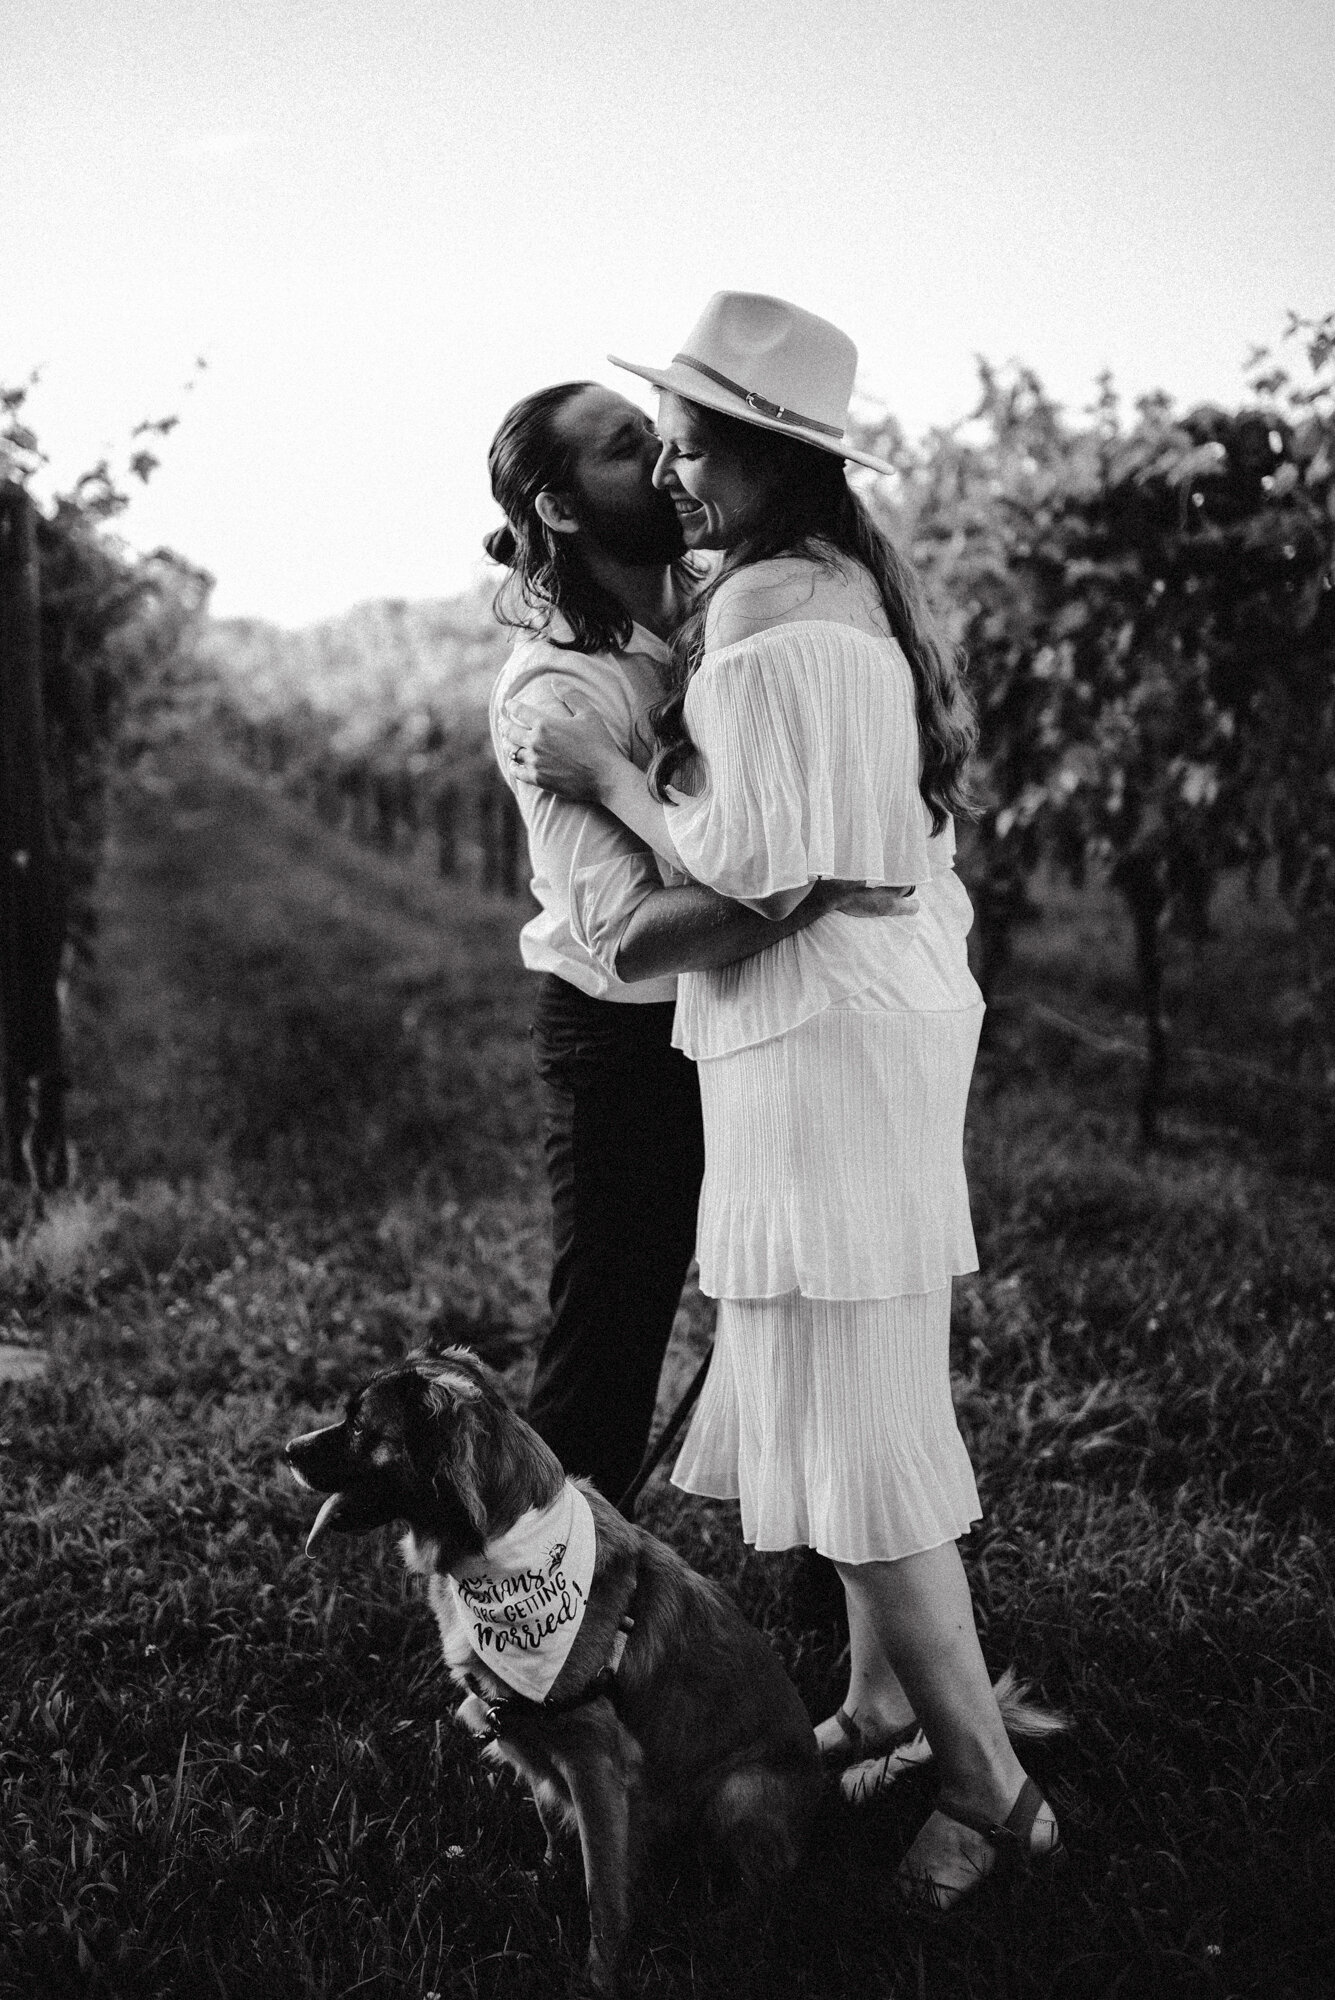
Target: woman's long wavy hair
<point x="528" y="457"/>
<point x="804" y="505"/>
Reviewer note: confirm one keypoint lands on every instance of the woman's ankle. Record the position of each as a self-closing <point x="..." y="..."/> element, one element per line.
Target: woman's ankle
<point x="885" y="1713"/>
<point x="984" y="1783"/>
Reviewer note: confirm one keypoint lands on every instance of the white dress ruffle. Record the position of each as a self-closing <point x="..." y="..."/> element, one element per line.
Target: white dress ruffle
<point x="834" y="1427"/>
<point x="810" y="744"/>
<point x="834" y="1156"/>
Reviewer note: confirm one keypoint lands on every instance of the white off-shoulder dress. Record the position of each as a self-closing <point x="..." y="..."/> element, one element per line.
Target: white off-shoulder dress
<point x="834" y="1071"/>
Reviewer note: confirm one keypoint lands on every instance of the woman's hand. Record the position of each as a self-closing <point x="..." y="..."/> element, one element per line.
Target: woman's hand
<point x="572" y="754"/>
<point x="855" y="899"/>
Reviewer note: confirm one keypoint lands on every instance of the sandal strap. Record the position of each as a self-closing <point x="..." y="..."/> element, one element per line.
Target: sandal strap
<point x="876" y="1746"/>
<point x="850" y="1730"/>
<point x="859" y="1746"/>
<point x="1010" y="1837"/>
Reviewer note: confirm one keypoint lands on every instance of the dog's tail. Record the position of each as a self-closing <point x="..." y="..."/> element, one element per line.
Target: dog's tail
<point x="1023" y="1717"/>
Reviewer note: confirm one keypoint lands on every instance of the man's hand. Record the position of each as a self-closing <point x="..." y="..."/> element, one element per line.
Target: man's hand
<point x="855" y="899"/>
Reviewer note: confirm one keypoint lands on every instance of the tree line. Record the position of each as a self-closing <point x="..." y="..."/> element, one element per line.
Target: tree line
<point x="91" y="633"/>
<point x="420" y="785"/>
<point x="1146" y="605"/>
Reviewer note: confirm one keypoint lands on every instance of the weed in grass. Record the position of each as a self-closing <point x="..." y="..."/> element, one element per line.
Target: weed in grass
<point x="59" y="1245"/>
<point x="79" y="1244"/>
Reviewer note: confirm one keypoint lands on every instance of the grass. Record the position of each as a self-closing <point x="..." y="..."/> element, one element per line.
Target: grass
<point x="308" y="1140"/>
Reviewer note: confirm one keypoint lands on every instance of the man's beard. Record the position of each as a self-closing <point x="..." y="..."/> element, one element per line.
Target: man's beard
<point x="648" y="535"/>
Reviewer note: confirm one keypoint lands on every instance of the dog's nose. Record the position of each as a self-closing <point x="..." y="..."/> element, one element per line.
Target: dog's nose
<point x="307" y="1437"/>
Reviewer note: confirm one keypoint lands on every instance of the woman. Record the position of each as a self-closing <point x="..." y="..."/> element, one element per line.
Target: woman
<point x="820" y="729"/>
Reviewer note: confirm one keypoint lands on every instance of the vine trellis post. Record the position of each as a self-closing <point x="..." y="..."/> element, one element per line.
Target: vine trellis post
<point x="32" y="889"/>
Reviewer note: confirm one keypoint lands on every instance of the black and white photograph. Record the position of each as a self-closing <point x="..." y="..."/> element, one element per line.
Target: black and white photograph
<point x="667" y="995"/>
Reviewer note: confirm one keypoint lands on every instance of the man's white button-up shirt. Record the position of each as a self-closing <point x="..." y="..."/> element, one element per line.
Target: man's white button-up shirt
<point x="578" y="852"/>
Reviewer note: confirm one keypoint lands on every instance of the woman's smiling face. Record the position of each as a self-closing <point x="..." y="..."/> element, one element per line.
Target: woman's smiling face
<point x="713" y="495"/>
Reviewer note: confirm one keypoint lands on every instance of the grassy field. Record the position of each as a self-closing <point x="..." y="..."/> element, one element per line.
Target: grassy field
<point x="307" y="1141"/>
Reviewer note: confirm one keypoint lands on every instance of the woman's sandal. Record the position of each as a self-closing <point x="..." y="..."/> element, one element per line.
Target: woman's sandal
<point x="1009" y="1841"/>
<point x="860" y="1745"/>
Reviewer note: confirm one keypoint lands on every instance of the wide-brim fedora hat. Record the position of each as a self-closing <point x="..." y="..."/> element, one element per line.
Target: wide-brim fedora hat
<point x="771" y="364"/>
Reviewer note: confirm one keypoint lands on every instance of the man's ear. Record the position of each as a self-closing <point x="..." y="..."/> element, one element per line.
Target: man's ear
<point x="554" y="513"/>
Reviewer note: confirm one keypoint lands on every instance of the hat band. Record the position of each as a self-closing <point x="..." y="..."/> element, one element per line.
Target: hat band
<point x="775" y="411"/>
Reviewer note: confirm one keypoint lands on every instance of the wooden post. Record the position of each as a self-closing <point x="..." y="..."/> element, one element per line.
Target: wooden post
<point x="384" y="794"/>
<point x="32" y="890"/>
<point x="357" y="780"/>
<point x="328" y="798"/>
<point x="446" y="815"/>
<point x="1139" y="877"/>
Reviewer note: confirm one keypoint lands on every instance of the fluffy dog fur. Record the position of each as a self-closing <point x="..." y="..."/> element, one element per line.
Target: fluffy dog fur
<point x="702" y="1731"/>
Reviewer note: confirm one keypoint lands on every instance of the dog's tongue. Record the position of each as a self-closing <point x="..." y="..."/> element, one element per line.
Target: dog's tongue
<point x="326" y="1518"/>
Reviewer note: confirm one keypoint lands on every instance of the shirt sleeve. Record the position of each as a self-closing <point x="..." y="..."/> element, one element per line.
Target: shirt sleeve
<point x="604" y="895"/>
<point x="599" y="869"/>
<point x="809" y="761"/>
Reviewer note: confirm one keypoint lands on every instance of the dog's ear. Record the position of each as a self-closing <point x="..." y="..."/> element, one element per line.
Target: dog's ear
<point x="472" y="1446"/>
<point x="461" y="1431"/>
<point x="522" y="1471"/>
<point x="443" y="1419"/>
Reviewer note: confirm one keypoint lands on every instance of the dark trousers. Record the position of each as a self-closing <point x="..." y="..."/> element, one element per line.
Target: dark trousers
<point x="625" y="1154"/>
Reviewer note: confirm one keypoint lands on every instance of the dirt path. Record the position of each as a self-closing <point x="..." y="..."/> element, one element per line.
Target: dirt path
<point x="271" y="997"/>
<point x="342" y="1037"/>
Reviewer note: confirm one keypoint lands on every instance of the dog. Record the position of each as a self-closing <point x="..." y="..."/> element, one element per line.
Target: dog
<point x="669" y="1715"/>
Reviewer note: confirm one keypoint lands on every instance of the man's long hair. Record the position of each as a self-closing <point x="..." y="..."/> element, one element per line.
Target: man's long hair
<point x="805" y="506"/>
<point x="547" y="574"/>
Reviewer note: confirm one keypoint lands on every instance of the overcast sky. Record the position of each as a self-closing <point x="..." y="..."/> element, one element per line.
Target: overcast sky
<point x="380" y="221"/>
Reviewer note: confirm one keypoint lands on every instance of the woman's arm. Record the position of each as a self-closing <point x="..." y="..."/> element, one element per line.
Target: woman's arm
<point x="574" y="756"/>
<point x="624" y="792"/>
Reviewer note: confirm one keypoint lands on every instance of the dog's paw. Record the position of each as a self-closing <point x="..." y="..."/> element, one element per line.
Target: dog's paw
<point x="474" y="1716"/>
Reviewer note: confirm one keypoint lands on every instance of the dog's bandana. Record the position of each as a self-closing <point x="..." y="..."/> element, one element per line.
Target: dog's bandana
<point x="523" y="1598"/>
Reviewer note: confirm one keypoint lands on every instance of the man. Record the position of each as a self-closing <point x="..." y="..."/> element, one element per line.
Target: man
<point x="595" y="554"/>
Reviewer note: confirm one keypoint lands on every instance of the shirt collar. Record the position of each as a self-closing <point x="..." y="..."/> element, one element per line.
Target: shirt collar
<point x="641" y="640"/>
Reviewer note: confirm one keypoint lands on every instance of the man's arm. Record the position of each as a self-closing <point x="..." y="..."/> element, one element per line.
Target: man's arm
<point x="590" y="871"/>
<point x="692" y="929"/>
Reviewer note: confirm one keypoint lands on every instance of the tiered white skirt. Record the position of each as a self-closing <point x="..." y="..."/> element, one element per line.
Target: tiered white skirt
<point x="834" y="1156"/>
<point x="833" y="1216"/>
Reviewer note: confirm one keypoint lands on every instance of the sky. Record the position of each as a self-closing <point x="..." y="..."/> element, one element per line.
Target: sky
<point x="379" y="222"/>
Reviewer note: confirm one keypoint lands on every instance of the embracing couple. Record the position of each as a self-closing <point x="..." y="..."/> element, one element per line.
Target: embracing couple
<point x="738" y="742"/>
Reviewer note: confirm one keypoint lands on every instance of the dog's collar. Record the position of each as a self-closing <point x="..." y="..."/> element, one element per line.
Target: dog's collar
<point x="603" y="1682"/>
